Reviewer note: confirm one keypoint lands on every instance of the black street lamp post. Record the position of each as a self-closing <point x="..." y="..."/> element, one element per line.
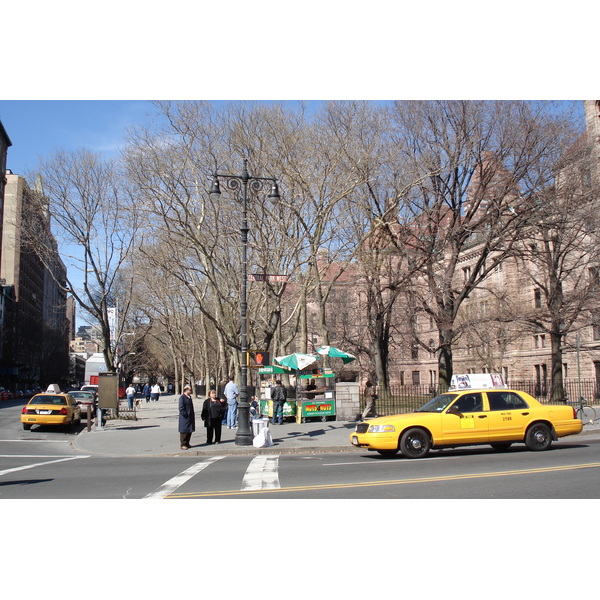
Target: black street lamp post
<point x="243" y="436"/>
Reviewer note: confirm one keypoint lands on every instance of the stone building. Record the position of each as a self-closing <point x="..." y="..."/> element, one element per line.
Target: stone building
<point x="506" y="325"/>
<point x="36" y="352"/>
<point x="510" y="328"/>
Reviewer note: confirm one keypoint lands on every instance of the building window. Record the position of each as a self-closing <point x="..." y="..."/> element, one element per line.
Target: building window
<point x="596" y="328"/>
<point x="416" y="378"/>
<point x="539" y="340"/>
<point x="467" y="273"/>
<point x="538" y="298"/>
<point x="414" y="351"/>
<point x="541" y="375"/>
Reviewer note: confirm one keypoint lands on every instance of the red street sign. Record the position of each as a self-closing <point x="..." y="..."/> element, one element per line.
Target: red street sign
<point x="265" y="277"/>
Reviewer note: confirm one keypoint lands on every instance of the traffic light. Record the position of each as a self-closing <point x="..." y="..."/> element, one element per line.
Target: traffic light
<point x="261" y="359"/>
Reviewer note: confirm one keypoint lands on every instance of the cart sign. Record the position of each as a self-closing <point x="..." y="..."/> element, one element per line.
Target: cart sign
<point x="265" y="277"/>
<point x="318" y="408"/>
<point x="271" y="370"/>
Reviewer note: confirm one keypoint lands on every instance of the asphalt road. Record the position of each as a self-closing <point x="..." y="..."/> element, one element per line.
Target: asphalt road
<point x="42" y="464"/>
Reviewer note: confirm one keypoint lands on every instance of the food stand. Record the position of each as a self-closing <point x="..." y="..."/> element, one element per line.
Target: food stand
<point x="315" y="395"/>
<point x="266" y="385"/>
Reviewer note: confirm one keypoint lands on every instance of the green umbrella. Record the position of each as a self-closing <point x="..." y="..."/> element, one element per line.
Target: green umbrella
<point x="336" y="353"/>
<point x="297" y="361"/>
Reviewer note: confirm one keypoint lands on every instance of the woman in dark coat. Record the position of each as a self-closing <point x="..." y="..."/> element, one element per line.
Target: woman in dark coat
<point x="187" y="418"/>
<point x="212" y="415"/>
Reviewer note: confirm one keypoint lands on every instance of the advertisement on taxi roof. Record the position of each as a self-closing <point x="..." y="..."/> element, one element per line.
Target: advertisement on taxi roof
<point x="477" y="381"/>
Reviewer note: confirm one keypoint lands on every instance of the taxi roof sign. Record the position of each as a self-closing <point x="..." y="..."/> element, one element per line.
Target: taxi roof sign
<point x="477" y="381"/>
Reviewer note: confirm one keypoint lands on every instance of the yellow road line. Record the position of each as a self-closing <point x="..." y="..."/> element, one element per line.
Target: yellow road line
<point x="380" y="483"/>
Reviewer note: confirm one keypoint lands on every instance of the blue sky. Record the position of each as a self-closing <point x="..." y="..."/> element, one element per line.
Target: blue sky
<point x="37" y="127"/>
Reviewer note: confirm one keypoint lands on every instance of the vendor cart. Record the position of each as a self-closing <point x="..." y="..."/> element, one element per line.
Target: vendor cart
<point x="315" y="396"/>
<point x="269" y="375"/>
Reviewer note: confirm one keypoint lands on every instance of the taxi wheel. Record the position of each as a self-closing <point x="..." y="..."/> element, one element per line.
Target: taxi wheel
<point x="538" y="437"/>
<point x="415" y="443"/>
<point x="26" y="427"/>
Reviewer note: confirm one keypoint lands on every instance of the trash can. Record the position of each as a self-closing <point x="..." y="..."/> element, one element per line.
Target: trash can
<point x="258" y="425"/>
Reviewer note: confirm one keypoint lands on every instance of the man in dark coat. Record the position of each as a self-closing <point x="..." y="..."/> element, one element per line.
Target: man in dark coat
<point x="187" y="418"/>
<point x="279" y="396"/>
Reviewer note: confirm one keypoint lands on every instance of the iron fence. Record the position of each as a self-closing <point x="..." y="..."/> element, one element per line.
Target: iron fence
<point x="408" y="398"/>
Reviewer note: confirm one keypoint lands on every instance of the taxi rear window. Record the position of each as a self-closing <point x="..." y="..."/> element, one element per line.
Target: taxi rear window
<point x="48" y="399"/>
<point x="505" y="401"/>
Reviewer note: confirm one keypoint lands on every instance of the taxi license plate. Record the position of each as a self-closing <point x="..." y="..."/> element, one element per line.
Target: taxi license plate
<point x="44" y="412"/>
<point x="355" y="440"/>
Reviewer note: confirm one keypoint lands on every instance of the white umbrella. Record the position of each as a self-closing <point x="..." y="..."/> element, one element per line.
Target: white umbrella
<point x="336" y="353"/>
<point x="297" y="361"/>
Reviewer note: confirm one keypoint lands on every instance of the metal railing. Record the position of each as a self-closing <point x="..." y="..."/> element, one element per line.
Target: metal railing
<point x="408" y="398"/>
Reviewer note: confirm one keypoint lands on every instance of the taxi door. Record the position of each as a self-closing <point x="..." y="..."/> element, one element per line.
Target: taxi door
<point x="509" y="416"/>
<point x="465" y="421"/>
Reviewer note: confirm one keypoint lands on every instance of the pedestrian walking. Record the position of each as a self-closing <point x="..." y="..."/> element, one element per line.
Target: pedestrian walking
<point x="187" y="418"/>
<point x="155" y="392"/>
<point x="130" y="393"/>
<point x="279" y="396"/>
<point x="231" y="394"/>
<point x="146" y="392"/>
<point x="212" y="415"/>
<point x="370" y="396"/>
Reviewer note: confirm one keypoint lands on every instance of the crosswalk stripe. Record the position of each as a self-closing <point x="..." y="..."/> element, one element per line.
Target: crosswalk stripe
<point x="177" y="481"/>
<point x="262" y="473"/>
<point x="42" y="464"/>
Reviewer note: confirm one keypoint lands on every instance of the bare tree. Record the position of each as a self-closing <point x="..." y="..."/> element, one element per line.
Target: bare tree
<point x="560" y="250"/>
<point x="474" y="168"/>
<point x="96" y="227"/>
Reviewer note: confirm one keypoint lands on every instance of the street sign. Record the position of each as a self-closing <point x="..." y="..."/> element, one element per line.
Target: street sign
<point x="266" y="277"/>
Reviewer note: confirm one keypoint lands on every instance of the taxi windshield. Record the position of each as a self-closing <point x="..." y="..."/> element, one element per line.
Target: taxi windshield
<point x="438" y="404"/>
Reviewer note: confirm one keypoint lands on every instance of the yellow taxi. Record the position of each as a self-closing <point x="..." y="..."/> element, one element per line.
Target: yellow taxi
<point x="51" y="408"/>
<point x="466" y="416"/>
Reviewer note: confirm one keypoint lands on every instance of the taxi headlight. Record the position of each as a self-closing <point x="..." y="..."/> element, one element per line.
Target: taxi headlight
<point x="381" y="428"/>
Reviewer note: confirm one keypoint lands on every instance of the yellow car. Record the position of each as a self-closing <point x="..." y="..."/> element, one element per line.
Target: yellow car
<point x="51" y="409"/>
<point x="499" y="417"/>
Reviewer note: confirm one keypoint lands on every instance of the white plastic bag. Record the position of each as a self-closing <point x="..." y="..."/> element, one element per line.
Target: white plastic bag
<point x="268" y="437"/>
<point x="263" y="439"/>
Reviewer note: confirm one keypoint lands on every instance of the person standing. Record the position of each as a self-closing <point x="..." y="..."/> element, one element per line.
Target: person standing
<point x="212" y="415"/>
<point x="187" y="418"/>
<point x="254" y="408"/>
<point x="130" y="393"/>
<point x="231" y="394"/>
<point x="279" y="396"/>
<point x="370" y="397"/>
<point x="155" y="392"/>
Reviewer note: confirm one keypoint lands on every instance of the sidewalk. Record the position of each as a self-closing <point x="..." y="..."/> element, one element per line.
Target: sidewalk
<point x="155" y="434"/>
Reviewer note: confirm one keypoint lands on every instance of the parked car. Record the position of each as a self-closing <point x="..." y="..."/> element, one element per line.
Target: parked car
<point x="51" y="409"/>
<point x="85" y="399"/>
<point x="498" y="417"/>
<point x="90" y="388"/>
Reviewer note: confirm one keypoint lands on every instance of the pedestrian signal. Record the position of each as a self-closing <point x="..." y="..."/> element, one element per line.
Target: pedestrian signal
<point x="261" y="359"/>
